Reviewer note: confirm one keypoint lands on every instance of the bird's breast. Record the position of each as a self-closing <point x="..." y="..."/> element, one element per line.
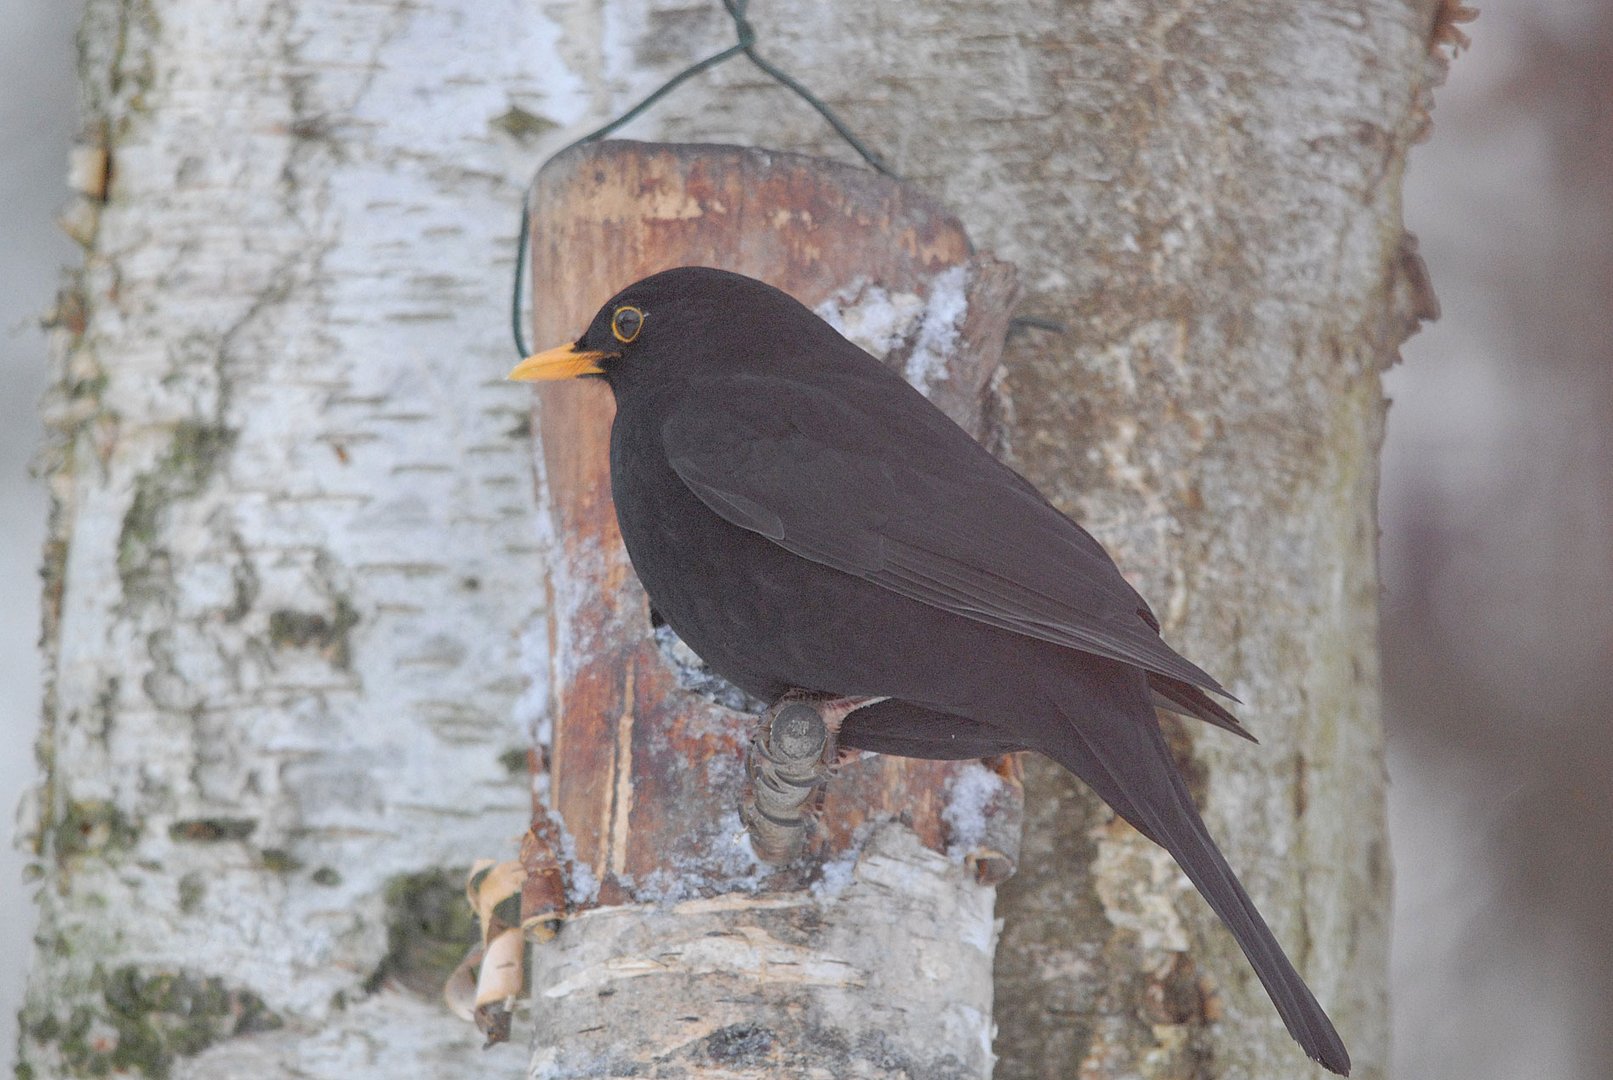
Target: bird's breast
<point x="761" y="616"/>
<point x="711" y="581"/>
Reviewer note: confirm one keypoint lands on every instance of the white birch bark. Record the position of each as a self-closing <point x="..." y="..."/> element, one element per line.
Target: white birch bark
<point x="884" y="973"/>
<point x="293" y="550"/>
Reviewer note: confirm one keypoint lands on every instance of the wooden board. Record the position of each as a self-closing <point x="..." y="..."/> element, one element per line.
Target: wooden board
<point x="645" y="776"/>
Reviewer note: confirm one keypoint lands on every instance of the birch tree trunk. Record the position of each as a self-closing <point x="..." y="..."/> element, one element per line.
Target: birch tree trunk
<point x="1208" y="198"/>
<point x="292" y="555"/>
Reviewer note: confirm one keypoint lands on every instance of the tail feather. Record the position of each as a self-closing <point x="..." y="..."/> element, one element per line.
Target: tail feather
<point x="893" y="726"/>
<point x="1189" y="700"/>
<point x="1118" y="749"/>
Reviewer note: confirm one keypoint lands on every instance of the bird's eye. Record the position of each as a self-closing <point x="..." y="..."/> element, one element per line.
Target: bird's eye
<point x="626" y="324"/>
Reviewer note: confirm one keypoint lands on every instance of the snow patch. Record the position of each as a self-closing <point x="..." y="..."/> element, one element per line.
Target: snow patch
<point x="694" y="676"/>
<point x="582" y="887"/>
<point x="972" y="791"/>
<point x="737" y="869"/>
<point x="836" y="875"/>
<point x="937" y="337"/>
<point x="920" y="333"/>
<point x="872" y="317"/>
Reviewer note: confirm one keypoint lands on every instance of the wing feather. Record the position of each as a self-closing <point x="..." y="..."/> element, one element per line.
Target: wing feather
<point x="922" y="510"/>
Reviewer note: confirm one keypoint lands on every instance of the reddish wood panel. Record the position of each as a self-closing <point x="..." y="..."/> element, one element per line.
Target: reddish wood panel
<point x="647" y="777"/>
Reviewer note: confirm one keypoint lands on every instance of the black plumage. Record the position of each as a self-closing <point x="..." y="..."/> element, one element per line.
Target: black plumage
<point x="805" y="520"/>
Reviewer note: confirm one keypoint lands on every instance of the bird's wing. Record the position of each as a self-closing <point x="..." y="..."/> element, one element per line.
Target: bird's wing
<point x="863" y="475"/>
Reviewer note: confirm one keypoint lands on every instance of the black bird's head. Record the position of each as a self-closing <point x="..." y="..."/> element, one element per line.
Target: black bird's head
<point x="676" y="322"/>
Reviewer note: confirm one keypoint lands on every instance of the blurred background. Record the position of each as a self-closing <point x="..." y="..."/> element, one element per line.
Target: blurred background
<point x="1497" y="517"/>
<point x="38" y="119"/>
<point x="1497" y="513"/>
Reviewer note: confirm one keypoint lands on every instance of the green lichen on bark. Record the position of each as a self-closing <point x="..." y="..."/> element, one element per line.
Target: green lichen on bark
<point x="212" y="830"/>
<point x="429" y="929"/>
<point x="131" y="1022"/>
<point x="92" y="827"/>
<point x="523" y="126"/>
<point x="330" y="634"/>
<point x="516" y="761"/>
<point x="192" y="890"/>
<point x="116" y="63"/>
<point x="279" y="861"/>
<point x="192" y="457"/>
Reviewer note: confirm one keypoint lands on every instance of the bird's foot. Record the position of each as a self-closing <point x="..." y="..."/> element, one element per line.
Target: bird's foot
<point x="791" y="757"/>
<point x="833" y="711"/>
<point x="794" y="753"/>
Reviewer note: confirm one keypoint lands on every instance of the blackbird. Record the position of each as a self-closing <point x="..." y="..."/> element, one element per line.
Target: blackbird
<point x="808" y="522"/>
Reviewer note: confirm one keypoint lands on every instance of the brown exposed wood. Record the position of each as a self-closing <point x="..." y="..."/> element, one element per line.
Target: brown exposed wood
<point x="646" y="777"/>
<point x="543" y="893"/>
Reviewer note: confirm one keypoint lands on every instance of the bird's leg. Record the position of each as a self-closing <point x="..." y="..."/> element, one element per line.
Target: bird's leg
<point x="786" y="769"/>
<point x="789" y="762"/>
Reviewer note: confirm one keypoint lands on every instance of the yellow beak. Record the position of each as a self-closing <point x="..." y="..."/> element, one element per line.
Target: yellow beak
<point x="560" y="362"/>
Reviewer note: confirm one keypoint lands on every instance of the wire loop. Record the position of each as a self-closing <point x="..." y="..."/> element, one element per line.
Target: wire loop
<point x="745" y="43"/>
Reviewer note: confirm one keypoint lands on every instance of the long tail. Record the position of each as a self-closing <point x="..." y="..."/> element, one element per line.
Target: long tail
<point x="1112" y="741"/>
<point x="1189" y="700"/>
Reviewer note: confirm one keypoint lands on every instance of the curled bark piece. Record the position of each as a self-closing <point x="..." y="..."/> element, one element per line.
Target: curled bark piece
<point x="498" y="984"/>
<point x="786" y="770"/>
<point x="494" y="891"/>
<point x="459" y="992"/>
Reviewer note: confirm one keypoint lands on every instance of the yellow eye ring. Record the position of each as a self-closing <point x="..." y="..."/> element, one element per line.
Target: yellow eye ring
<point x="626" y="324"/>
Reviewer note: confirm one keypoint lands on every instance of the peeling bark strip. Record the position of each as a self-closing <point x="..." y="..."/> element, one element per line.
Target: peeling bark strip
<point x="883" y="969"/>
<point x="888" y="974"/>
